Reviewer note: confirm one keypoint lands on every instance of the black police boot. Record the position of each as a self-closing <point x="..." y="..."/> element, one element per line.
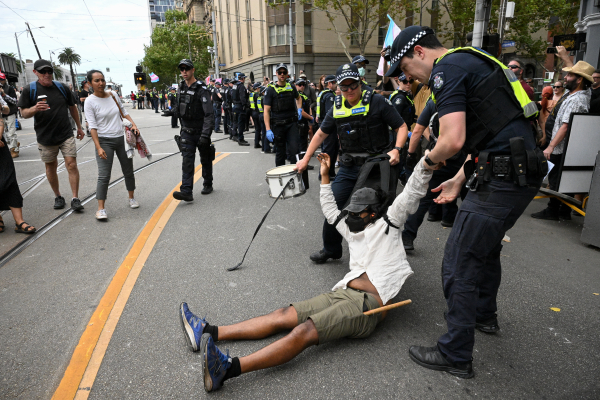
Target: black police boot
<point x="207" y="189"/>
<point x="183" y="196"/>
<point x="433" y="218"/>
<point x="546" y="213"/>
<point x="447" y="224"/>
<point x="488" y="326"/>
<point x="407" y="241"/>
<point x="431" y="358"/>
<point x="322" y="256"/>
<point x="565" y="213"/>
<point x="243" y="143"/>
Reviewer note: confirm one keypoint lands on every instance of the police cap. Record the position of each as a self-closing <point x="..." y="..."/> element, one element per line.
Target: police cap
<point x="300" y="81"/>
<point x="329" y="78"/>
<point x="256" y="85"/>
<point x="186" y="62"/>
<point x="405" y="41"/>
<point x="225" y="81"/>
<point x="280" y="66"/>
<point x="359" y="59"/>
<point x="217" y="83"/>
<point x="241" y="75"/>
<point x="347" y="71"/>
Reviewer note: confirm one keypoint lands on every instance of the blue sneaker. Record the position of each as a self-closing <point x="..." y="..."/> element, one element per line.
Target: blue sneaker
<point x="214" y="363"/>
<point x="192" y="326"/>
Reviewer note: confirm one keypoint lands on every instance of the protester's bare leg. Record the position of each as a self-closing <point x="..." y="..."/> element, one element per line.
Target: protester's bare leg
<point x="17" y="214"/>
<point x="283" y="350"/>
<point x="101" y="204"/>
<point x="52" y="176"/>
<point x="130" y="194"/>
<point x="261" y="327"/>
<point x="71" y="164"/>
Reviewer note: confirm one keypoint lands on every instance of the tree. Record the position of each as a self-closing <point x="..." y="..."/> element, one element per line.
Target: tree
<point x="170" y="44"/>
<point x="58" y="74"/>
<point x="69" y="57"/>
<point x="363" y="18"/>
<point x="461" y="14"/>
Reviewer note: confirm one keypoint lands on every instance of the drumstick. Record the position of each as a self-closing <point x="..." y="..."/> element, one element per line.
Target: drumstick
<point x="388" y="307"/>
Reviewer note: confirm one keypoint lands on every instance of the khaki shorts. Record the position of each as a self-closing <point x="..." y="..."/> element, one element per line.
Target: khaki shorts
<point x="339" y="314"/>
<point x="49" y="154"/>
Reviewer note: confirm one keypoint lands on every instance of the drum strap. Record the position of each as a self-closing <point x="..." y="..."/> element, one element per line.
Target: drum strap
<point x="260" y="224"/>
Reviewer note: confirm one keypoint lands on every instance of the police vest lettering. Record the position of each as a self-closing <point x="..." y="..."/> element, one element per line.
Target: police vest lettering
<point x="319" y="105"/>
<point x="190" y="102"/>
<point x="251" y="98"/>
<point x="284" y="99"/>
<point x="355" y="135"/>
<point x="493" y="103"/>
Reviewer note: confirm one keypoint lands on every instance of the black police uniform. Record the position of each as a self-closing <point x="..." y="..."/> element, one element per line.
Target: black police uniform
<point x="331" y="144"/>
<point x="381" y="115"/>
<point x="445" y="212"/>
<point x="283" y="121"/>
<point x="196" y="114"/>
<point x="258" y="131"/>
<point x="239" y="97"/>
<point x="471" y="268"/>
<point x="404" y="104"/>
<point x="174" y="105"/>
<point x="217" y="104"/>
<point x="227" y="111"/>
<point x="303" y="124"/>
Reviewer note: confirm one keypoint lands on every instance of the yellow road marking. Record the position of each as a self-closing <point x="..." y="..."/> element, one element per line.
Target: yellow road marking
<point x="89" y="352"/>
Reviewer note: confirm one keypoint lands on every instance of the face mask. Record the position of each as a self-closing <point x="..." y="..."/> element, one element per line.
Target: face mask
<point x="356" y="223"/>
<point x="362" y="71"/>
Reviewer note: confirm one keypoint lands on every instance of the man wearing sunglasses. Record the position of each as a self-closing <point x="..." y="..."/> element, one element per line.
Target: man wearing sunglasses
<point x="362" y="120"/>
<point x="283" y="109"/>
<point x="195" y="111"/>
<point x="49" y="102"/>
<point x="516" y="66"/>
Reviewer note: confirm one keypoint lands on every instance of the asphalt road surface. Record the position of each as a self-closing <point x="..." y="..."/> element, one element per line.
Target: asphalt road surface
<point x="101" y="298"/>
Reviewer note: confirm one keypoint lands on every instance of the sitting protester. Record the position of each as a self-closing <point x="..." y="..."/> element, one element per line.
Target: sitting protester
<point x="378" y="269"/>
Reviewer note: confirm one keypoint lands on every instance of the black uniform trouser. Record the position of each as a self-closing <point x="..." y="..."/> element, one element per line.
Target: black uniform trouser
<point x="217" y="111"/>
<point x="140" y="104"/>
<point x="257" y="127"/>
<point x="266" y="147"/>
<point x="331" y="146"/>
<point x="189" y="157"/>
<point x="226" y="121"/>
<point x="162" y="104"/>
<point x="286" y="141"/>
<point x="173" y="120"/>
<point x="471" y="270"/>
<point x="303" y="136"/>
<point x="239" y="122"/>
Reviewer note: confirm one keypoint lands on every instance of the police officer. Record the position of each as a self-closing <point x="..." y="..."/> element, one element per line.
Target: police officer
<point x="196" y="114"/>
<point x="362" y="120"/>
<point x="258" y="132"/>
<point x="266" y="147"/>
<point x="140" y="99"/>
<point x="307" y="117"/>
<point x="229" y="101"/>
<point x="217" y="100"/>
<point x="483" y="111"/>
<point x="239" y="97"/>
<point x="226" y="107"/>
<point x="361" y="63"/>
<point x="325" y="101"/>
<point x="173" y="104"/>
<point x="283" y="109"/>
<point x="402" y="100"/>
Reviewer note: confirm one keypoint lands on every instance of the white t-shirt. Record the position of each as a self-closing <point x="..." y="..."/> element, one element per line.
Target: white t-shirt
<point x="102" y="114"/>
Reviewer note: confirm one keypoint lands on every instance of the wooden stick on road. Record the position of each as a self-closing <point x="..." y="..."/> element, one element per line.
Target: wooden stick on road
<point x="388" y="307"/>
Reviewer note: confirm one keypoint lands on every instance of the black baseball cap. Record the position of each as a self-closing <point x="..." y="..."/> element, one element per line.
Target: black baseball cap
<point x="300" y="81"/>
<point x="347" y="71"/>
<point x="256" y="85"/>
<point x="329" y="78"/>
<point x="406" y="40"/>
<point x="186" y="62"/>
<point x="282" y="65"/>
<point x="361" y="199"/>
<point x="226" y="81"/>
<point x="359" y="59"/>
<point x="41" y="64"/>
<point x="241" y="75"/>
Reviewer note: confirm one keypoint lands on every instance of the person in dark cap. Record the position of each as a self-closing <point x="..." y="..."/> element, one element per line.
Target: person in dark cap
<point x="361" y="63"/>
<point x="378" y="270"/>
<point x="362" y="121"/>
<point x="217" y="99"/>
<point x="483" y="111"/>
<point x="402" y="100"/>
<point x="239" y="97"/>
<point x="255" y="114"/>
<point x="195" y="112"/>
<point x="283" y="110"/>
<point x="226" y="107"/>
<point x="325" y="101"/>
<point x="307" y="117"/>
<point x="172" y="98"/>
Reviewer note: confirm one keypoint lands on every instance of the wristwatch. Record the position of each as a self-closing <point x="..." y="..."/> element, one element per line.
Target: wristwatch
<point x="399" y="149"/>
<point x="429" y="162"/>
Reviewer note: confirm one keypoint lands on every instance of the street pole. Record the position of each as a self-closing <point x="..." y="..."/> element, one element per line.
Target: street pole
<point x="50" y="53"/>
<point x="21" y="60"/>
<point x="501" y="23"/>
<point x="189" y="48"/>
<point x="214" y="25"/>
<point x="32" y="38"/>
<point x="291" y="44"/>
<point x="479" y="25"/>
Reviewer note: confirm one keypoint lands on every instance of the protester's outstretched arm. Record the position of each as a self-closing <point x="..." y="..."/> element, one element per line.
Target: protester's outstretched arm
<point x="408" y="201"/>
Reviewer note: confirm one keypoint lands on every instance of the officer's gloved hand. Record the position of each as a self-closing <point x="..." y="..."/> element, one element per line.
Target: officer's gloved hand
<point x="299" y="114"/>
<point x="270" y="136"/>
<point x="204" y="140"/>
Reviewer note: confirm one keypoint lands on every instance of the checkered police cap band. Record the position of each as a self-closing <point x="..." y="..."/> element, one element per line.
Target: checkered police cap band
<point x="410" y="44"/>
<point x="347" y="74"/>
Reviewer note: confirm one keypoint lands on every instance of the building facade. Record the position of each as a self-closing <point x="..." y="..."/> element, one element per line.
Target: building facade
<point x="157" y="9"/>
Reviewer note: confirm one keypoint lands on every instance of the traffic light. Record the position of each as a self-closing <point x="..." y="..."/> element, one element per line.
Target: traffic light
<point x="491" y="44"/>
<point x="140" y="78"/>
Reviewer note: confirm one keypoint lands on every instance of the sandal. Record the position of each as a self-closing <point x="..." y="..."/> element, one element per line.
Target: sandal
<point x="2" y="225"/>
<point x="27" y="230"/>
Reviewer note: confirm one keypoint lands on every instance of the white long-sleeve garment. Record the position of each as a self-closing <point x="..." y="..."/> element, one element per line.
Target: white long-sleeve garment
<point x="381" y="256"/>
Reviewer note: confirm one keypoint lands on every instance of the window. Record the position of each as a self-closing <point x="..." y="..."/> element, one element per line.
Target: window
<point x="237" y="27"/>
<point x="229" y="32"/>
<point x="249" y="27"/>
<point x="272" y="36"/>
<point x="382" y="33"/>
<point x="278" y="35"/>
<point x="308" y="35"/>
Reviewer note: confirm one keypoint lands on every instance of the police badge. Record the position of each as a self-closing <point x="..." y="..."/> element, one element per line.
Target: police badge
<point x="438" y="80"/>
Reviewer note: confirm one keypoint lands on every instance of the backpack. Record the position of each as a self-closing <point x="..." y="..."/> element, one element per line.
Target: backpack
<point x="33" y="90"/>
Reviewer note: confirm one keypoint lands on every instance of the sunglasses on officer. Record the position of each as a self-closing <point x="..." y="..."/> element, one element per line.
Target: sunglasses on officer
<point x="184" y="68"/>
<point x="282" y="72"/>
<point x="301" y="84"/>
<point x="514" y="67"/>
<point x="345" y="88"/>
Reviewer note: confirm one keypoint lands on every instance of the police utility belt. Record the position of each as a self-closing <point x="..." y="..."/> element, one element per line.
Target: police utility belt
<point x="279" y="122"/>
<point x="349" y="160"/>
<point x="517" y="167"/>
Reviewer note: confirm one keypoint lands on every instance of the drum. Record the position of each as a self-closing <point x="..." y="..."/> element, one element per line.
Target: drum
<point x="278" y="177"/>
